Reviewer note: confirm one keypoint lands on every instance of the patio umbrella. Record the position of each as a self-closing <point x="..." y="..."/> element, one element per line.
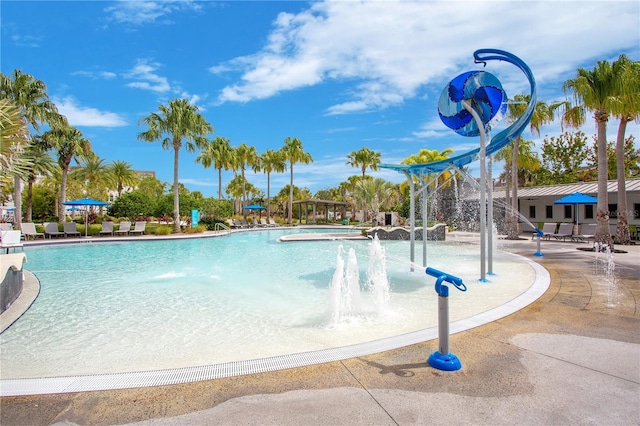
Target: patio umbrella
<point x="256" y="207"/>
<point x="577" y="198"/>
<point x="86" y="202"/>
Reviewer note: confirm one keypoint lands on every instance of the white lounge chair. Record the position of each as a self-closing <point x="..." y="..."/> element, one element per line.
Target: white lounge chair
<point x="5" y="226"/>
<point x="29" y="231"/>
<point x="123" y="228"/>
<point x="263" y="222"/>
<point x="10" y="240"/>
<point x="272" y="222"/>
<point x="71" y="229"/>
<point x="139" y="228"/>
<point x="564" y="230"/>
<point x="548" y="229"/>
<point x="107" y="228"/>
<point x="51" y="230"/>
<point x="587" y="232"/>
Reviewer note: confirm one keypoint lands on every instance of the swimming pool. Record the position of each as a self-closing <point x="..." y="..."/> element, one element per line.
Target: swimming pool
<point x="147" y="305"/>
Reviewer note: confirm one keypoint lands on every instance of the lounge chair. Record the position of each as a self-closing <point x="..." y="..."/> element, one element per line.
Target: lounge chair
<point x="548" y="229"/>
<point x="4" y="226"/>
<point x="29" y="231"/>
<point x="587" y="232"/>
<point x="70" y="229"/>
<point x="564" y="230"/>
<point x="272" y="222"/>
<point x="230" y="223"/>
<point x="51" y="230"/>
<point x="123" y="228"/>
<point x="263" y="222"/>
<point x="245" y="224"/>
<point x="139" y="228"/>
<point x="10" y="239"/>
<point x="238" y="225"/>
<point x="107" y="228"/>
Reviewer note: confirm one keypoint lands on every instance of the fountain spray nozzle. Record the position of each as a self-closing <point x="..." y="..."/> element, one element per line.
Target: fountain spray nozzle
<point x="441" y="289"/>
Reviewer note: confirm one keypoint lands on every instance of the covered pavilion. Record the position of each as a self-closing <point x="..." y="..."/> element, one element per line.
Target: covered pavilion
<point x="315" y="204"/>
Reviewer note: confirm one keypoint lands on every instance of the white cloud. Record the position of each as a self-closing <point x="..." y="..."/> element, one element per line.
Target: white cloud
<point x="26" y="40"/>
<point x="394" y="50"/>
<point x="78" y="115"/>
<point x="146" y="78"/>
<point x="144" y="12"/>
<point x="104" y="75"/>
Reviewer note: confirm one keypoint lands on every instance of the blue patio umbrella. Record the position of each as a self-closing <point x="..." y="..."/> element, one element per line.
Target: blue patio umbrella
<point x="255" y="207"/>
<point x="577" y="198"/>
<point x="86" y="202"/>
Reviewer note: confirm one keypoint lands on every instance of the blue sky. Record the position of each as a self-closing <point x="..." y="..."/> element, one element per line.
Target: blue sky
<point x="338" y="75"/>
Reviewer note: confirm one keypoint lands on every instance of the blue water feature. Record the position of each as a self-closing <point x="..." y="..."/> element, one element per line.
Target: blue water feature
<point x="498" y="141"/>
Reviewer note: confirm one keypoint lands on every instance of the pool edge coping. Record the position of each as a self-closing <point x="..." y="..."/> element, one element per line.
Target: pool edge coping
<point x="113" y="381"/>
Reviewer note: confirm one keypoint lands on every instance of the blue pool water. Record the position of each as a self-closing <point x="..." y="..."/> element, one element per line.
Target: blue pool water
<point x="147" y="305"/>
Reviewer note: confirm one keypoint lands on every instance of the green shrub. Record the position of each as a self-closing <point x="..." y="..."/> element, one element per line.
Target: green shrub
<point x="160" y="230"/>
<point x="195" y="230"/>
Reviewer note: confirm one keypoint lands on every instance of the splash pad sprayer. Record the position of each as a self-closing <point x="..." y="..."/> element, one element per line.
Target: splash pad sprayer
<point x="442" y="359"/>
<point x="471" y="104"/>
<point x="539" y="235"/>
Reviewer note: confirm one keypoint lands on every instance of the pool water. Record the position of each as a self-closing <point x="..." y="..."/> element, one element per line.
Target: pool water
<point x="147" y="305"/>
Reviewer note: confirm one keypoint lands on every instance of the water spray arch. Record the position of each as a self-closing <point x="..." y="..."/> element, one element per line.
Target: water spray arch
<point x="428" y="173"/>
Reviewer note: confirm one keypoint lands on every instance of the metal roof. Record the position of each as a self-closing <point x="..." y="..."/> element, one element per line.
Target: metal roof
<point x="590" y="188"/>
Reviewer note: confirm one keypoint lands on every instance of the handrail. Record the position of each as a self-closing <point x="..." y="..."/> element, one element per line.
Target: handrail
<point x="221" y="226"/>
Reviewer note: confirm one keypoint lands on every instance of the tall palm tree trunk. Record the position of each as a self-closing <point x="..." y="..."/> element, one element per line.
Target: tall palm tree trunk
<point x="176" y="193"/>
<point x="622" y="229"/>
<point x="63" y="191"/>
<point x="603" y="233"/>
<point x="220" y="183"/>
<point x="289" y="213"/>
<point x="17" y="201"/>
<point x="29" y="212"/>
<point x="268" y="195"/>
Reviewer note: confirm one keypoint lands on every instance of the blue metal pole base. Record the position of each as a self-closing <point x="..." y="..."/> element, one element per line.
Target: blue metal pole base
<point x="448" y="362"/>
<point x="538" y="253"/>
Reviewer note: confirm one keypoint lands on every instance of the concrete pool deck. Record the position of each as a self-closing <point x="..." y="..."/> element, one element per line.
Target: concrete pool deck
<point x="573" y="356"/>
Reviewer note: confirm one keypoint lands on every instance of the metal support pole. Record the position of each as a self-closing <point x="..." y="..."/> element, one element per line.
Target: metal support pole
<point x="412" y="220"/>
<point x="483" y="188"/>
<point x="425" y="216"/>
<point x="490" y="218"/>
<point x="442" y="359"/>
<point x="539" y="236"/>
<point x="443" y="324"/>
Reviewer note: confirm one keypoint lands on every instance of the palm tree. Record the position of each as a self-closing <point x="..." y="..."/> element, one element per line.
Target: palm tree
<point x="41" y="164"/>
<point x="69" y="143"/>
<point x="218" y="153"/>
<point x="364" y="158"/>
<point x="372" y="195"/>
<point x="595" y="90"/>
<point x="272" y="161"/>
<point x="95" y="174"/>
<point x="293" y="152"/>
<point x="179" y="120"/>
<point x="626" y="109"/>
<point x="30" y="96"/>
<point x="430" y="156"/>
<point x="13" y="137"/>
<point x="122" y="175"/>
<point x="246" y="156"/>
<point x="542" y="114"/>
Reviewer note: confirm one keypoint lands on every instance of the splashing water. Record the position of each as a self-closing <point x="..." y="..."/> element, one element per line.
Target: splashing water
<point x="353" y="284"/>
<point x="605" y="263"/>
<point x="377" y="280"/>
<point x="345" y="294"/>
